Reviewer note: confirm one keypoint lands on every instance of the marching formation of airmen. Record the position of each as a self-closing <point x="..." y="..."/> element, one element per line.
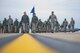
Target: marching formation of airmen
<point x="36" y="25"/>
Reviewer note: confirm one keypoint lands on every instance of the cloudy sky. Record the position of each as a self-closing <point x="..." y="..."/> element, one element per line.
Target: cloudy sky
<point x="62" y="8"/>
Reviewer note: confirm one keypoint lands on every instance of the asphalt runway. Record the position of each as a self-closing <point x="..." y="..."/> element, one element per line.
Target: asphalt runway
<point x="60" y="45"/>
<point x="24" y="44"/>
<point x="6" y="39"/>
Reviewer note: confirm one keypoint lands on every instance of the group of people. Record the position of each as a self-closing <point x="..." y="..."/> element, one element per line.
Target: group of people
<point x="36" y="25"/>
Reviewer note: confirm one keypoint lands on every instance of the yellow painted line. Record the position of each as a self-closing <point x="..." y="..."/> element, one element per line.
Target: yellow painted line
<point x="26" y="44"/>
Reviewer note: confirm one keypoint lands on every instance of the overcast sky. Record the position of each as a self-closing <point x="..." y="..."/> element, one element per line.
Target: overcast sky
<point x="62" y="8"/>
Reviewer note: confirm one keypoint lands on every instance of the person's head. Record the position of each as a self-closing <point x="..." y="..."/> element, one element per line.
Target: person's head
<point x="9" y="16"/>
<point x="4" y="18"/>
<point x="25" y="13"/>
<point x="71" y="18"/>
<point x="16" y="19"/>
<point x="65" y="19"/>
<point x="39" y="19"/>
<point x="52" y="13"/>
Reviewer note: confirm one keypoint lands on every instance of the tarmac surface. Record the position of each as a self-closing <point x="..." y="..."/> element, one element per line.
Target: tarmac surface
<point x="24" y="44"/>
<point x="58" y="42"/>
<point x="62" y="45"/>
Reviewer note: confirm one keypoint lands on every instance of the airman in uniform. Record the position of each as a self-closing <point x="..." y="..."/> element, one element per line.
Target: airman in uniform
<point x="34" y="23"/>
<point x="5" y="25"/>
<point x="16" y="26"/>
<point x="44" y="26"/>
<point x="39" y="26"/>
<point x="25" y="23"/>
<point x="10" y="24"/>
<point x="53" y="18"/>
<point x="65" y="23"/>
<point x="72" y="23"/>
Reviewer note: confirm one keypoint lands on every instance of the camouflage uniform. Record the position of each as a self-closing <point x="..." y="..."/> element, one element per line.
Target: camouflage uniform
<point x="5" y="25"/>
<point x="65" y="23"/>
<point x="25" y="23"/>
<point x="72" y="25"/>
<point x="10" y="25"/>
<point x="34" y="23"/>
<point x="16" y="26"/>
<point x="44" y="27"/>
<point x="53" y="18"/>
<point x="39" y="26"/>
<point x="48" y="27"/>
